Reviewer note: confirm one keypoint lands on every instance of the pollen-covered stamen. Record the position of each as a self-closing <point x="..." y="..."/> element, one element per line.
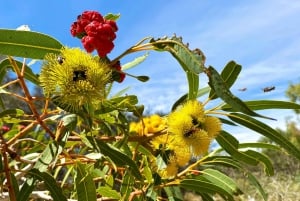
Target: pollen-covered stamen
<point x="79" y="75"/>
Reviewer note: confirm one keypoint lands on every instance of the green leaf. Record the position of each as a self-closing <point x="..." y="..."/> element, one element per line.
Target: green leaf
<point x="266" y="131"/>
<point x="119" y="158"/>
<point x="85" y="186"/>
<point x="265" y="104"/>
<point x="127" y="185"/>
<point x="229" y="74"/>
<point x="191" y="61"/>
<point x="12" y="112"/>
<point x="217" y="83"/>
<point x="264" y="159"/>
<point x="252" y="179"/>
<point x="106" y="191"/>
<point x="50" y="183"/>
<point x="111" y="16"/>
<point x="123" y="102"/>
<point x="51" y="153"/>
<point x="15" y="184"/>
<point x="174" y="193"/>
<point x="147" y="170"/>
<point x="220" y="179"/>
<point x="26" y="189"/>
<point x="206" y="197"/>
<point x="227" y="161"/>
<point x="259" y="145"/>
<point x="204" y="187"/>
<point x="27" y="44"/>
<point x="135" y="62"/>
<point x="28" y="73"/>
<point x="193" y="82"/>
<point x="230" y="144"/>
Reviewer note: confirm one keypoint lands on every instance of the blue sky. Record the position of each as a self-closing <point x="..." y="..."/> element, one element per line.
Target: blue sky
<point x="261" y="35"/>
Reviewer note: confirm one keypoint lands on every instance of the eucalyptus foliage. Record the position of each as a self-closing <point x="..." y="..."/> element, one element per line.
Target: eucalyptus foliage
<point x="88" y="154"/>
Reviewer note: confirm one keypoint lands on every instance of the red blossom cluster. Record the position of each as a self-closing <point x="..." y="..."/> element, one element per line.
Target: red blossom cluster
<point x="95" y="32"/>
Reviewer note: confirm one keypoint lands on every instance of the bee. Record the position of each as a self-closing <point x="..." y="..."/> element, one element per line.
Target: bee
<point x="242" y="89"/>
<point x="189" y="133"/>
<point x="267" y="89"/>
<point x="60" y="60"/>
<point x="79" y="75"/>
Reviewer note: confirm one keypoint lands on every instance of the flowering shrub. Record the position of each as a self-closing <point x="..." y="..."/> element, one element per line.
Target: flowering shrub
<point x="82" y="144"/>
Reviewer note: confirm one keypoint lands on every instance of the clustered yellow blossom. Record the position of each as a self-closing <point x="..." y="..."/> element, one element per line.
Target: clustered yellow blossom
<point x="74" y="78"/>
<point x="151" y="124"/>
<point x="191" y="131"/>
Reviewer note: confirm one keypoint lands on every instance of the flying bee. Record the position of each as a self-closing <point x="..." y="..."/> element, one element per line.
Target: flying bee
<point x="79" y="75"/>
<point x="267" y="89"/>
<point x="242" y="89"/>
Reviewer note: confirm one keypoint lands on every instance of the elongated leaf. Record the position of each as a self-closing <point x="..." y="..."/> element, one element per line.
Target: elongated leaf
<point x="264" y="159"/>
<point x="217" y="83"/>
<point x="51" y="153"/>
<point x="116" y="156"/>
<point x="220" y="179"/>
<point x="206" y="197"/>
<point x="259" y="145"/>
<point x="26" y="189"/>
<point x="204" y="187"/>
<point x="229" y="75"/>
<point x="106" y="191"/>
<point x="123" y="102"/>
<point x="28" y="73"/>
<point x="229" y="162"/>
<point x="174" y="193"/>
<point x="191" y="61"/>
<point x="85" y="186"/>
<point x="252" y="179"/>
<point x="230" y="144"/>
<point x="135" y="62"/>
<point x="193" y="82"/>
<point x="127" y="185"/>
<point x="266" y="104"/>
<point x="266" y="131"/>
<point x="27" y="44"/>
<point x="12" y="112"/>
<point x="50" y="183"/>
<point x="15" y="184"/>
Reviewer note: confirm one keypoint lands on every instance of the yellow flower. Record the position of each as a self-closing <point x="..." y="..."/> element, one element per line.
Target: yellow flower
<point x="74" y="78"/>
<point x="162" y="142"/>
<point x="194" y="109"/>
<point x="171" y="170"/>
<point x="191" y="128"/>
<point x="183" y="154"/>
<point x="151" y="124"/>
<point x="212" y="126"/>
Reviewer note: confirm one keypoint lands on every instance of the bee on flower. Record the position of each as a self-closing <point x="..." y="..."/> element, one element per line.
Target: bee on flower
<point x="74" y="79"/>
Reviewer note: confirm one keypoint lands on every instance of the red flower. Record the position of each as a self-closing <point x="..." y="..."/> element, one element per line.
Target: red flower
<point x="95" y="32"/>
<point x="91" y="16"/>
